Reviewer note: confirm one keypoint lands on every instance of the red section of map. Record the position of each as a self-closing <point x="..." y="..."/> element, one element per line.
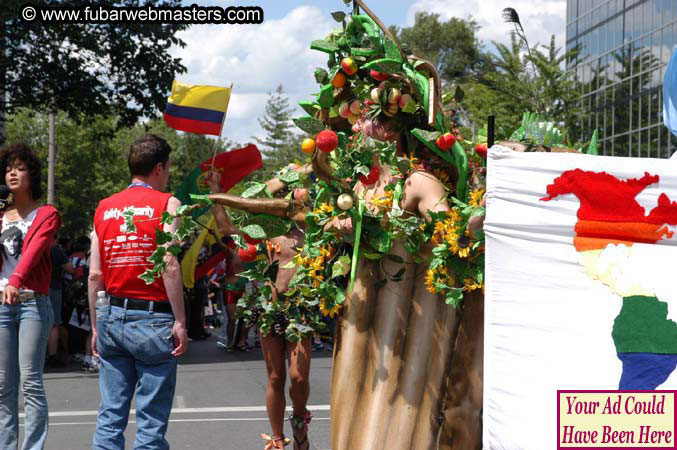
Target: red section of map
<point x="606" y="199"/>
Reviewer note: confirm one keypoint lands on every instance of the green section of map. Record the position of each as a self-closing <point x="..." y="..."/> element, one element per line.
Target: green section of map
<point x="642" y="326"/>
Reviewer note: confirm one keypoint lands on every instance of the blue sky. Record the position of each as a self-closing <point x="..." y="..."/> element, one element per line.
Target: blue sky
<point x="256" y="58"/>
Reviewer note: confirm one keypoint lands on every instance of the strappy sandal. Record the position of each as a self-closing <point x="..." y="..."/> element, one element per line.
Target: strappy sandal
<point x="273" y="442"/>
<point x="299" y="426"/>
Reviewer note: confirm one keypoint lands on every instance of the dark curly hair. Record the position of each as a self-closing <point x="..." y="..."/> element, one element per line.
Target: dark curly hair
<point x="22" y="152"/>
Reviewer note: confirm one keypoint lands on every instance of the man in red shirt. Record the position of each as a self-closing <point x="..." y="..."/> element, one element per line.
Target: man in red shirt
<point x="138" y="329"/>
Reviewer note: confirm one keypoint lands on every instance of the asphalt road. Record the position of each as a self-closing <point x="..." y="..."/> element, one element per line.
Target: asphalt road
<point x="219" y="402"/>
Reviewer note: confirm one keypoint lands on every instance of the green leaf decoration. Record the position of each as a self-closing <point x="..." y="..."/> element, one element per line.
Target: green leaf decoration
<point x="592" y="147"/>
<point x="309" y="124"/>
<point x="158" y="255"/>
<point x="128" y="215"/>
<point x="254" y="231"/>
<point x="428" y="136"/>
<point x="442" y="125"/>
<point x="323" y="45"/>
<point x="289" y="175"/>
<point x="162" y="237"/>
<point x="310" y="107"/>
<point x="338" y="16"/>
<point x="183" y="209"/>
<point x="454" y="297"/>
<point x="392" y="52"/>
<point x="186" y="227"/>
<point x="167" y="218"/>
<point x="273" y="226"/>
<point x="321" y="76"/>
<point x="253" y="189"/>
<point x="148" y="276"/>
<point x="174" y="249"/>
<point x="382" y="241"/>
<point x="341" y="267"/>
<point x="385" y="65"/>
<point x="410" y="107"/>
<point x="326" y="96"/>
<point x="239" y="241"/>
<point x="364" y="51"/>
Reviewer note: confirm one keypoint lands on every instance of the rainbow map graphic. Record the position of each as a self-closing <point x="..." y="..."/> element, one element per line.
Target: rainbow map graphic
<point x="613" y="237"/>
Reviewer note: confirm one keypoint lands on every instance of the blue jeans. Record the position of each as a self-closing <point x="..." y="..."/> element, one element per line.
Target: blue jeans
<point x="24" y="329"/>
<point x="135" y="352"/>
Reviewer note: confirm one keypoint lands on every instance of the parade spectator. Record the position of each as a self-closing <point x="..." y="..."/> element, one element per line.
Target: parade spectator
<point x="60" y="265"/>
<point x="141" y="331"/>
<point x="77" y="293"/>
<point x="26" y="316"/>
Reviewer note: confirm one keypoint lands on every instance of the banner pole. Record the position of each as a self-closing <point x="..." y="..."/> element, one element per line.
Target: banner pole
<point x="216" y="146"/>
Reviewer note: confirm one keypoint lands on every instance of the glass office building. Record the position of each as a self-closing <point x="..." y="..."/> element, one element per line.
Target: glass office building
<point x="624" y="47"/>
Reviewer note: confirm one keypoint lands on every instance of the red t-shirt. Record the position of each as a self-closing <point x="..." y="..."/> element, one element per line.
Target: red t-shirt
<point x="124" y="256"/>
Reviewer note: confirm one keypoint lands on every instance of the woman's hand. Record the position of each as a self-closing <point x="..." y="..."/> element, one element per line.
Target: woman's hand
<point x="10" y="295"/>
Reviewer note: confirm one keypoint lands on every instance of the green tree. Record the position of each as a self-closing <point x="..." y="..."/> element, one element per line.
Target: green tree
<point x="452" y="45"/>
<point x="86" y="69"/>
<point x="93" y="163"/>
<point x="280" y="145"/>
<point x="89" y="169"/>
<point x="536" y="81"/>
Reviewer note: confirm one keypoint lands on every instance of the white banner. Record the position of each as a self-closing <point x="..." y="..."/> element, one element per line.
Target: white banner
<point x="581" y="285"/>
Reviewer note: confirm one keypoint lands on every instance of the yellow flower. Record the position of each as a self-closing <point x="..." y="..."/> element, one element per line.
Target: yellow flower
<point x="317" y="281"/>
<point x="476" y="197"/>
<point x="325" y="208"/>
<point x="328" y="312"/>
<point x="461" y="246"/>
<point x="385" y="201"/>
<point x="430" y="281"/>
<point x="327" y="251"/>
<point x="442" y="176"/>
<point x="454" y="216"/>
<point x="469" y="284"/>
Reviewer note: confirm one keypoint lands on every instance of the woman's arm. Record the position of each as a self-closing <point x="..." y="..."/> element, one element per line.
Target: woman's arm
<point x="39" y="244"/>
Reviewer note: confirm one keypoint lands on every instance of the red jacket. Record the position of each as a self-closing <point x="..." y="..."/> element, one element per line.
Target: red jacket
<point x="34" y="269"/>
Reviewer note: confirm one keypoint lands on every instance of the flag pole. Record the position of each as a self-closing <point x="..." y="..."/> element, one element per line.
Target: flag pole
<point x="216" y="146"/>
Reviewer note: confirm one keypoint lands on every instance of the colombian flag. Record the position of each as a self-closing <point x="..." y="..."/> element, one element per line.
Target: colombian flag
<point x="197" y="109"/>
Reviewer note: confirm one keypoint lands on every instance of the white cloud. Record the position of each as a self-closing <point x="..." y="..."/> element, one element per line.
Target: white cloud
<point x="256" y="58"/>
<point x="540" y="19"/>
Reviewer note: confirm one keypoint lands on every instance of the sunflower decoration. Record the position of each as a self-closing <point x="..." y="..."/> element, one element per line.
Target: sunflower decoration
<point x="457" y="252"/>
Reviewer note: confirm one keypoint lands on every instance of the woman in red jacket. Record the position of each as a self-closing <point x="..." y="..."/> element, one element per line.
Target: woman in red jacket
<point x="26" y="232"/>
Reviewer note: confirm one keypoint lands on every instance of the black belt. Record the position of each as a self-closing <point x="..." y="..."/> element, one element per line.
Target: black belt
<point x="143" y="305"/>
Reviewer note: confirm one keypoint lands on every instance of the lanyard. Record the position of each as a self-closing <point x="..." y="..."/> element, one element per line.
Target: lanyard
<point x="139" y="184"/>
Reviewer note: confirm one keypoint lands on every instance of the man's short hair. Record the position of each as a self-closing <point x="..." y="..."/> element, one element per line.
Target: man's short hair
<point x="146" y="153"/>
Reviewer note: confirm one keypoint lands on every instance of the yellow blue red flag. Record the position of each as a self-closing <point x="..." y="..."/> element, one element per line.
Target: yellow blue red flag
<point x="197" y="108"/>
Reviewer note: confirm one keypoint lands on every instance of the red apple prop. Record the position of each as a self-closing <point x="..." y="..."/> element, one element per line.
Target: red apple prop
<point x="248" y="254"/>
<point x="378" y="76"/>
<point x="327" y="141"/>
<point x="374" y="174"/>
<point x="446" y="141"/>
<point x="349" y="67"/>
<point x="481" y="149"/>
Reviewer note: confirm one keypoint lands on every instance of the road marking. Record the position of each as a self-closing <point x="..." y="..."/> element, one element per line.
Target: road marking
<point x="225" y="409"/>
<point x="234" y="419"/>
